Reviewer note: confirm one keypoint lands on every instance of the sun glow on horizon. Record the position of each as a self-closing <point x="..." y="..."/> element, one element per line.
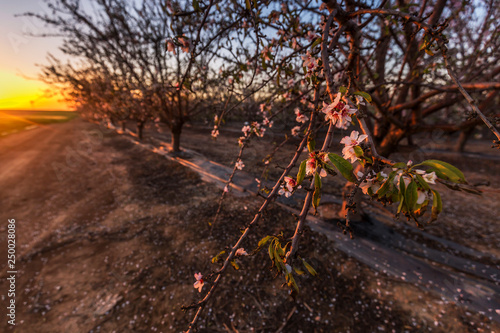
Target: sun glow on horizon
<point x="18" y="93"/>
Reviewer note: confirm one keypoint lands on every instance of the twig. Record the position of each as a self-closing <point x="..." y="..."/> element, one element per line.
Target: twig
<point x="287" y="320"/>
<point x="307" y="202"/>
<point x="201" y="304"/>
<point x="193" y="53"/>
<point x="366" y="130"/>
<point x="227" y="185"/>
<point x="469" y="99"/>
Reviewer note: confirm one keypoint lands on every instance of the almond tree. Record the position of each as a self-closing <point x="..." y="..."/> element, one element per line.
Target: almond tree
<point x="126" y="43"/>
<point x="382" y="67"/>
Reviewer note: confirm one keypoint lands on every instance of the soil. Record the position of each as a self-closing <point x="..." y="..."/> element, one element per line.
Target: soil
<point x="110" y="235"/>
<point x="476" y="216"/>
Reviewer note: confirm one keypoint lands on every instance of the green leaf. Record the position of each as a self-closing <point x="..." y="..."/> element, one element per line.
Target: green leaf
<point x="316" y="199"/>
<point x="329" y="169"/>
<point x="264" y="241"/>
<point x="363" y="94"/>
<point x="402" y="197"/>
<point x="298" y="271"/>
<point x="247" y="2"/>
<point x="291" y="282"/>
<point x="316" y="42"/>
<point x="317" y="190"/>
<point x="309" y="268"/>
<point x="386" y="185"/>
<point x="411" y="195"/>
<point x="446" y="171"/>
<point x="401" y="203"/>
<point x="311" y="144"/>
<point x="235" y="265"/>
<point x="271" y="251"/>
<point x="358" y="151"/>
<point x="429" y="52"/>
<point x="302" y="172"/>
<point x="421" y="181"/>
<point x="343" y="166"/>
<point x="196" y="5"/>
<point x="402" y="185"/>
<point x="279" y="263"/>
<point x="399" y="165"/>
<point x="217" y="257"/>
<point x="437" y="205"/>
<point x="278" y="249"/>
<point x="317" y="181"/>
<point x="342" y="90"/>
<point x="187" y="85"/>
<point x="424" y="44"/>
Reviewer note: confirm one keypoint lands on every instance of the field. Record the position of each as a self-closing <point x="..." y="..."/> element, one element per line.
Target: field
<point x="110" y="234"/>
<point x="18" y="120"/>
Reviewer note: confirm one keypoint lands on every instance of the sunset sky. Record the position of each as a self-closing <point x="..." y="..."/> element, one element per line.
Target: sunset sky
<point x="19" y="85"/>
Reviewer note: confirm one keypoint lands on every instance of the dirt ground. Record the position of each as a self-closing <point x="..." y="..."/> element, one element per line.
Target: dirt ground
<point x="463" y="213"/>
<point x="110" y="235"/>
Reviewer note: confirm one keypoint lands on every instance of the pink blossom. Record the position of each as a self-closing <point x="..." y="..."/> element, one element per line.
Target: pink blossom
<point x="338" y="113"/>
<point x="400" y="175"/>
<point x="215" y="132"/>
<point x="354" y="139"/>
<point x="170" y="45"/>
<point x="267" y="122"/>
<point x="266" y="52"/>
<point x="239" y="165"/>
<point x="241" y="252"/>
<point x="246" y="130"/>
<point x="199" y="281"/>
<point x="311" y="36"/>
<point x="428" y="177"/>
<point x="350" y="142"/>
<point x="263" y="108"/>
<point x="288" y="187"/>
<point x="301" y="118"/>
<point x="422" y="196"/>
<point x="257" y="129"/>
<point x="370" y="182"/>
<point x="185" y="44"/>
<point x="295" y="131"/>
<point x="309" y="61"/>
<point x="312" y="164"/>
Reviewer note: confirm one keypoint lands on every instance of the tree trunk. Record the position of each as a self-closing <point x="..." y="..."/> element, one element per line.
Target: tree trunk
<point x="140" y="127"/>
<point x="176" y="138"/>
<point x="462" y="139"/>
<point x="390" y="141"/>
<point x="123" y="126"/>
